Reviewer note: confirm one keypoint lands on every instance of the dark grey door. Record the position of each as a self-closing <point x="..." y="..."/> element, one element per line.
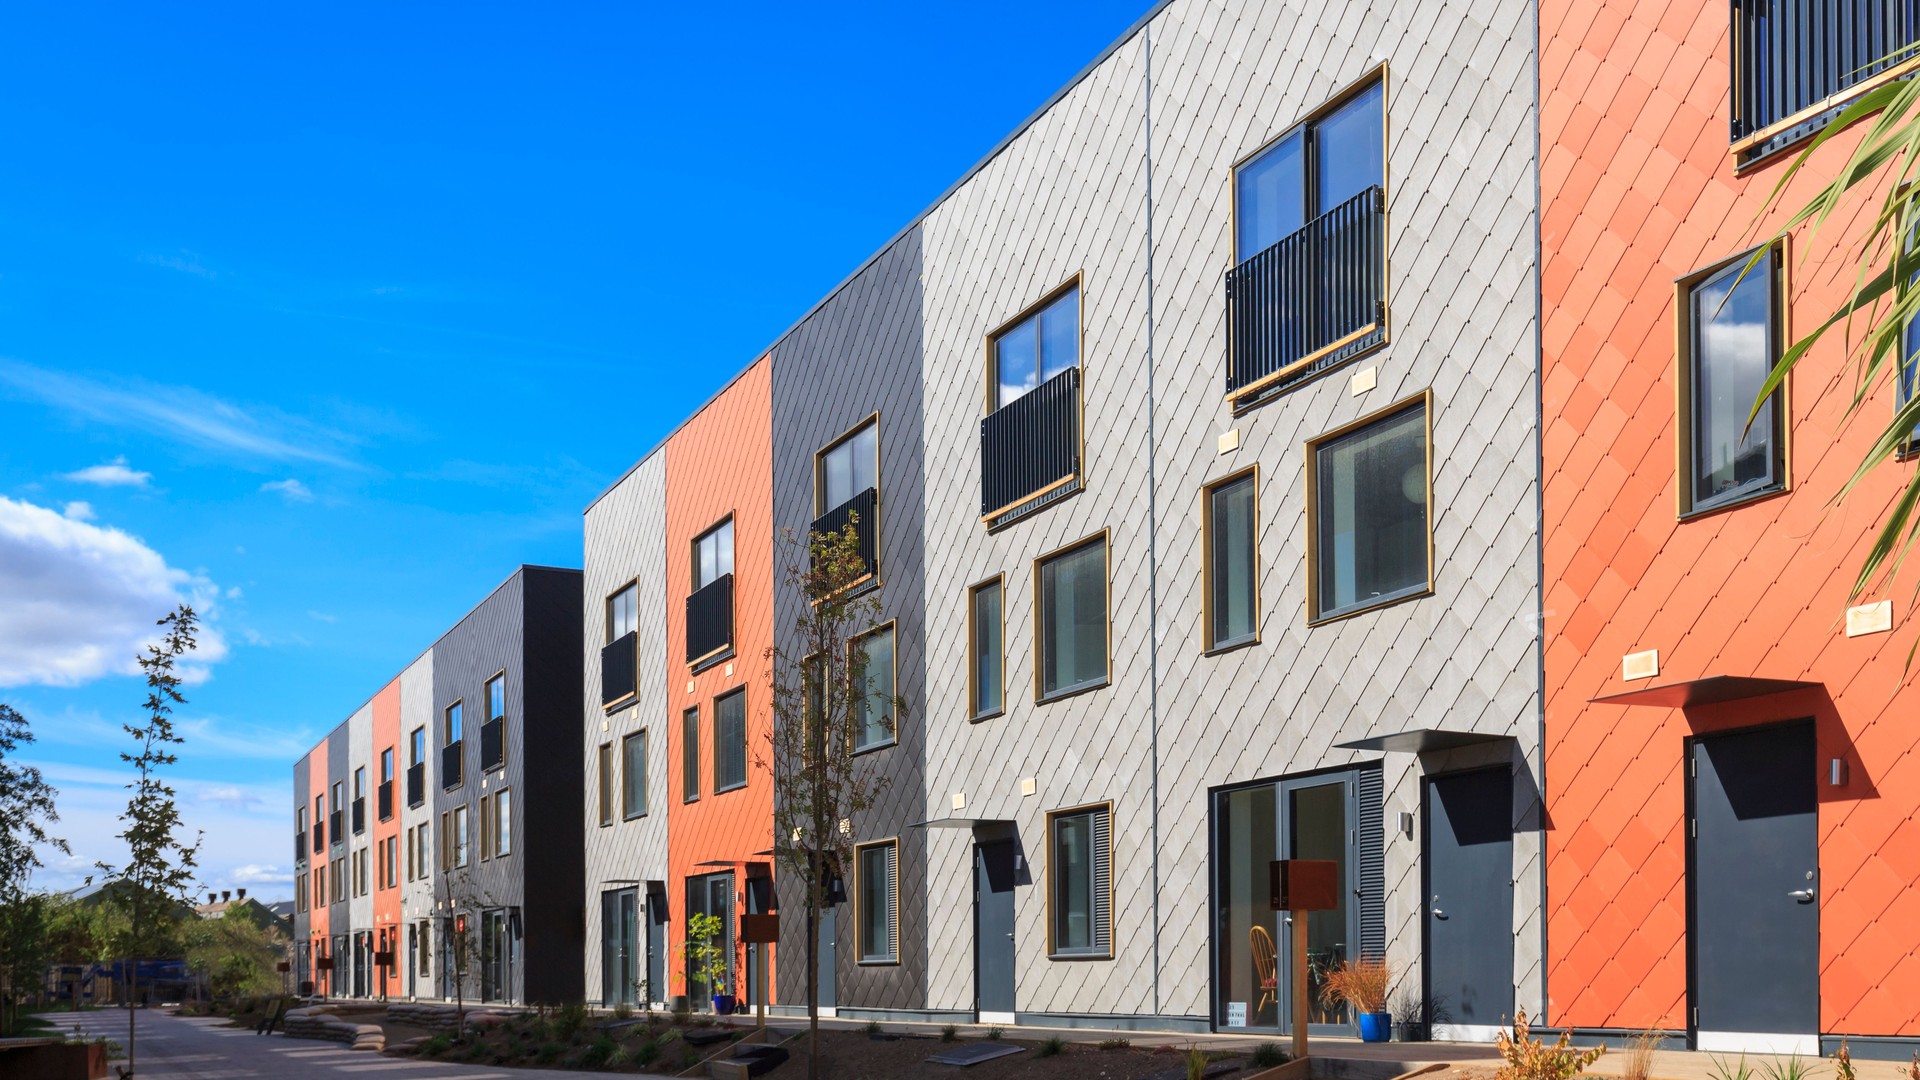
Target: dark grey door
<point x="1754" y="913"/>
<point x="1469" y="848"/>
<point x="828" y="958"/>
<point x="656" y="987"/>
<point x="993" y="881"/>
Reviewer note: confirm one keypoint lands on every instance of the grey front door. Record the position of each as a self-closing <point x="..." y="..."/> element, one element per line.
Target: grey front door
<point x="1469" y="848"/>
<point x="656" y="946"/>
<point x="827" y="957"/>
<point x="993" y="882"/>
<point x="1753" y="890"/>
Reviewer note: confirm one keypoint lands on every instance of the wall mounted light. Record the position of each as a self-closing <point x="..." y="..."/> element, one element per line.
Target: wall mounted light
<point x="1406" y="824"/>
<point x="1837" y="772"/>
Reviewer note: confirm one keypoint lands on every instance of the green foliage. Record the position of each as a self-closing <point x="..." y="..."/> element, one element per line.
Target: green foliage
<point x="706" y="960"/>
<point x="1268" y="1055"/>
<point x="569" y="1020"/>
<point x="1115" y="1044"/>
<point x="1719" y="1069"/>
<point x="623" y="1011"/>
<point x="645" y="1053"/>
<point x="436" y="1045"/>
<point x="234" y="953"/>
<point x="598" y="1051"/>
<point x="950" y="1033"/>
<point x="872" y="1028"/>
<point x="1051" y="1048"/>
<point x="994" y="1033"/>
<point x="1843" y="1063"/>
<point x="26" y="809"/>
<point x="1794" y="1068"/>
<point x="1527" y="1058"/>
<point x="1196" y="1060"/>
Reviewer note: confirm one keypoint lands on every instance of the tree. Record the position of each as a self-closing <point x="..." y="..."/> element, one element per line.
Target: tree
<point x="234" y="952"/>
<point x="158" y="874"/>
<point x="1885" y="298"/>
<point x="821" y="704"/>
<point x="26" y="809"/>
<point x="467" y="901"/>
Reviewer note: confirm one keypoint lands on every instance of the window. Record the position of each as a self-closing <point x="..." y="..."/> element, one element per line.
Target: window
<point x="1072" y="619"/>
<point x="497" y="697"/>
<point x="730" y="741"/>
<point x="1732" y="341"/>
<point x="847" y="468"/>
<point x="423" y="946"/>
<point x="1035" y="347"/>
<point x="1231" y="567"/>
<point x="879" y="891"/>
<point x="606" y="783"/>
<point x="872" y="655"/>
<point x="413" y="857"/>
<point x="502" y="823"/>
<point x="339" y="876"/>
<point x="417" y="746"/>
<point x="1369" y="505"/>
<point x="360" y="872"/>
<point x="1080" y="882"/>
<point x="360" y="783"/>
<point x="423" y="847"/>
<point x="690" y="754"/>
<point x="453" y="723"/>
<point x="1309" y="170"/>
<point x="300" y="892"/>
<point x="623" y="613"/>
<point x="459" y="836"/>
<point x="633" y="775"/>
<point x="986" y="664"/>
<point x="386" y="765"/>
<point x="713" y="555"/>
<point x="486" y="827"/>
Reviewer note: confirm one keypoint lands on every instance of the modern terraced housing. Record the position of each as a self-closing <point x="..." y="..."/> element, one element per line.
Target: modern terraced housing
<point x="1315" y="432"/>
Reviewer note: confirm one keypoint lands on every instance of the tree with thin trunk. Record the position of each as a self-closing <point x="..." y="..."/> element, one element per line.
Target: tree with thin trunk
<point x="822" y="704"/>
<point x="159" y="873"/>
<point x="26" y="809"/>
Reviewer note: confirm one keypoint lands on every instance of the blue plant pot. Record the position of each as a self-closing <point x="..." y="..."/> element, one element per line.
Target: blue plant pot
<point x="723" y="1004"/>
<point x="1376" y="1027"/>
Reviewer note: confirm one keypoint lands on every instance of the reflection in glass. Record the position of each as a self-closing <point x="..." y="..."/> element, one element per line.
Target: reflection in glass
<point x="987" y="658"/>
<point x="1073" y="615"/>
<point x="1073" y="882"/>
<point x="1248" y="935"/>
<point x="1372" y="513"/>
<point x="1037" y="348"/>
<point x="1733" y="351"/>
<point x="1270" y="197"/>
<point x="1351" y="150"/>
<point x="1317" y="828"/>
<point x="1232" y="565"/>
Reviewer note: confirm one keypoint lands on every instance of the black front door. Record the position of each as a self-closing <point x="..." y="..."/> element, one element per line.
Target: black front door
<point x="828" y="957"/>
<point x="1469" y="848"/>
<point x="1753" y="890"/>
<point x="993" y="882"/>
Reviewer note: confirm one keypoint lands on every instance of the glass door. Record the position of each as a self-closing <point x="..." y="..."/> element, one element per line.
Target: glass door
<point x="1318" y="825"/>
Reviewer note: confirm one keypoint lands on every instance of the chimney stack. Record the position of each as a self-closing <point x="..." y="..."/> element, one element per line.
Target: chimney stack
<point x="211" y="897"/>
<point x="242" y="893"/>
<point x="226" y="894"/>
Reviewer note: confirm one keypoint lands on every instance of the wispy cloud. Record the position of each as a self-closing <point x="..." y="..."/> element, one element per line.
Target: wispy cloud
<point x="183" y="413"/>
<point x="78" y="511"/>
<point x="114" y="473"/>
<point x="185" y="262"/>
<point x="321" y="616"/>
<point x="289" y="489"/>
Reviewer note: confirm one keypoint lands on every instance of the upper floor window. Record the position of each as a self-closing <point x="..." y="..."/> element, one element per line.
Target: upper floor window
<point x="496" y="697"/>
<point x="633" y="775"/>
<point x="453" y="722"/>
<point x="386" y="765"/>
<point x="1231" y="566"/>
<point x="417" y="746"/>
<point x="872" y="654"/>
<point x="730" y="741"/>
<point x="1309" y="170"/>
<point x="623" y="612"/>
<point x="1369" y="505"/>
<point x="713" y="554"/>
<point x="1795" y="66"/>
<point x="1036" y="347"/>
<point x="606" y="783"/>
<point x="1731" y="341"/>
<point x="986" y="665"/>
<point x="848" y="467"/>
<point x="360" y="783"/>
<point x="1071" y="612"/>
<point x="690" y="754"/>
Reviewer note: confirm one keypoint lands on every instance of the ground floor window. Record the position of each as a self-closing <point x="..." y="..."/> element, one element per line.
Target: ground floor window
<point x="712" y="894"/>
<point x="619" y="947"/>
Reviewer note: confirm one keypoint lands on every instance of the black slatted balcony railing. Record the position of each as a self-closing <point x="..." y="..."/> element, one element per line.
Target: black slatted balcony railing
<point x="319" y="837"/>
<point x="1031" y="445"/>
<point x="336" y="827"/>
<point x="1792" y="58"/>
<point x="710" y="619"/>
<point x="1312" y="300"/>
<point x="300" y="847"/>
<point x="493" y="744"/>
<point x="359" y="815"/>
<point x="450" y="761"/>
<point x="385" y="795"/>
<point x="619" y="667"/>
<point x="862" y="512"/>
<point x="416" y="784"/>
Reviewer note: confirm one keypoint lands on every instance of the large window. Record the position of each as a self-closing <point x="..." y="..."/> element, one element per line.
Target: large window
<point x="1036" y="347"/>
<point x="1232" y="566"/>
<point x="848" y="467"/>
<point x="1080" y="882"/>
<point x="713" y="555"/>
<point x="879" y="891"/>
<point x="502" y="823"/>
<point x="986" y="663"/>
<point x="1309" y="170"/>
<point x="1071" y="617"/>
<point x="623" y="612"/>
<point x="633" y="775"/>
<point x="1732" y="340"/>
<point x="459" y="836"/>
<point x="417" y="746"/>
<point x="872" y="653"/>
<point x="497" y="697"/>
<point x="1369" y="504"/>
<point x="454" y="714"/>
<point x="690" y="754"/>
<point x="730" y="741"/>
<point x="606" y="783"/>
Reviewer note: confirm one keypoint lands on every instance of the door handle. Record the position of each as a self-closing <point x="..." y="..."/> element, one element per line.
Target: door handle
<point x="1437" y="913"/>
<point x="1009" y="935"/>
<point x="1802" y="896"/>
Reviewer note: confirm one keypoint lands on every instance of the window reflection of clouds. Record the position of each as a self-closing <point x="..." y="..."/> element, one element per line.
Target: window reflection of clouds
<point x="1734" y="354"/>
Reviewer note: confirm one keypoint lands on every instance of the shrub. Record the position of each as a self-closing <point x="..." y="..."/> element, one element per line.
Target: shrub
<point x="644" y="1054"/>
<point x="1197" y="1061"/>
<point x="1639" y="1064"/>
<point x="1720" y="1070"/>
<point x="1527" y="1058"/>
<point x="950" y="1033"/>
<point x="623" y="1011"/>
<point x="598" y="1051"/>
<point x="1843" y="1063"/>
<point x="1051" y="1047"/>
<point x="1268" y="1055"/>
<point x="1912" y="1072"/>
<point x="1794" y="1068"/>
<point x="436" y="1046"/>
<point x="1115" y="1044"/>
<point x="1360" y="985"/>
<point x="872" y="1028"/>
<point x="569" y="1020"/>
<point x="994" y="1034"/>
<point x="549" y="1052"/>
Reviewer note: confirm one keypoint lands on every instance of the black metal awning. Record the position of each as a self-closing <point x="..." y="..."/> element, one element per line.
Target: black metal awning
<point x="1711" y="690"/>
<point x="1422" y="740"/>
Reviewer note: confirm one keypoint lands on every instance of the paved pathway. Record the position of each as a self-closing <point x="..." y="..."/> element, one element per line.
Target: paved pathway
<point x="200" y="1048"/>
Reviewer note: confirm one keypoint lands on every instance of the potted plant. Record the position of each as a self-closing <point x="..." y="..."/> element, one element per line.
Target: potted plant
<point x="707" y="961"/>
<point x="1361" y="985"/>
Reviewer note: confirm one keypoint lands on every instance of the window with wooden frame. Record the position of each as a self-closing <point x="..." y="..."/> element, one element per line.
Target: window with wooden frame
<point x="690" y="755"/>
<point x="730" y="741"/>
<point x="623" y="612"/>
<point x="1080" y="883"/>
<point x="460" y="835"/>
<point x="1795" y="67"/>
<point x="502" y="831"/>
<point x="486" y="827"/>
<point x="871" y="657"/>
<point x="986" y="649"/>
<point x="878" y="901"/>
<point x="1070" y="616"/>
<point x="1370" y="511"/>
<point x="847" y="466"/>
<point x="606" y="783"/>
<point x="1230" y="566"/>
<point x="713" y="555"/>
<point x="1732" y="332"/>
<point x="709" y="614"/>
<point x="633" y="776"/>
<point x="1030" y="440"/>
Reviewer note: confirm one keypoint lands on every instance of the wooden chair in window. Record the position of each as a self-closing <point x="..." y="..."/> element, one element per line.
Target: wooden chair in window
<point x="1264" y="967"/>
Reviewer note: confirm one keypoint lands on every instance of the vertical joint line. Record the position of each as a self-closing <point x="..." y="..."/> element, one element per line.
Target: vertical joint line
<point x="1153" y="519"/>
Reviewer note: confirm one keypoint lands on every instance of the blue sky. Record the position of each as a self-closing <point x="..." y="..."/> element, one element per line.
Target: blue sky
<point x="326" y="318"/>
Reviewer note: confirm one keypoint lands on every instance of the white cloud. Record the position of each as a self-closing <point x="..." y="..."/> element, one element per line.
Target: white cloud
<point x="321" y="616"/>
<point x="81" y="600"/>
<point x="78" y="511"/>
<point x="113" y="474"/>
<point x="253" y="874"/>
<point x="291" y="490"/>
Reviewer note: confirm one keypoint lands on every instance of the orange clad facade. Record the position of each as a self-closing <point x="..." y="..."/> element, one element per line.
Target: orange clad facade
<point x="317" y="868"/>
<point x="386" y="838"/>
<point x="1640" y="189"/>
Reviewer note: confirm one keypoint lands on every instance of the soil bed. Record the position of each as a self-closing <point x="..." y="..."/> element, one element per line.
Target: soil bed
<point x="854" y="1055"/>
